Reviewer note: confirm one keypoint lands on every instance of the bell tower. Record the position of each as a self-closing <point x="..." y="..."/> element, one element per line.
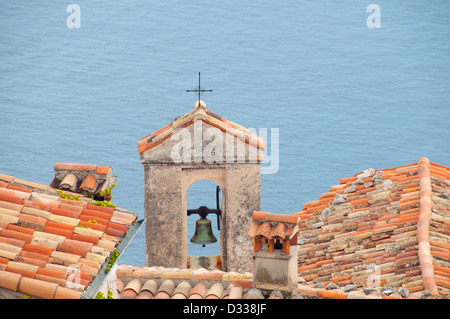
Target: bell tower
<point x="200" y="145"/>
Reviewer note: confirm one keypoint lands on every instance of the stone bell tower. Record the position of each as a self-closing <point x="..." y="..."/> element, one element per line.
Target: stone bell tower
<point x="200" y="145"/>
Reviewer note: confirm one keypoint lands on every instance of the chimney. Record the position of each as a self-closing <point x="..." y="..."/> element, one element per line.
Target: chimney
<point x="275" y="249"/>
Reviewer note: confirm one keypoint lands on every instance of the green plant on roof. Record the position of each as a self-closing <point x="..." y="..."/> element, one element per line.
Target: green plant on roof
<point x="112" y="260"/>
<point x="82" y="226"/>
<point x="108" y="190"/>
<point x="103" y="203"/>
<point x="62" y="194"/>
<point x="101" y="296"/>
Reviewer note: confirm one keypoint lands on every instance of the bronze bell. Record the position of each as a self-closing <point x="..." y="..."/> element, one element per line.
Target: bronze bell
<point x="203" y="232"/>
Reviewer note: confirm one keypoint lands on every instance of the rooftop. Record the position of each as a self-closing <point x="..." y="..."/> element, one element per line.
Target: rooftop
<point x="380" y="234"/>
<point x="199" y="113"/>
<point x="377" y="234"/>
<point x="380" y="228"/>
<point x="160" y="283"/>
<point x="86" y="179"/>
<point x="55" y="244"/>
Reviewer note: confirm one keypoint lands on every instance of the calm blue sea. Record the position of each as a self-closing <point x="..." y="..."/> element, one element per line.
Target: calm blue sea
<point x="345" y="97"/>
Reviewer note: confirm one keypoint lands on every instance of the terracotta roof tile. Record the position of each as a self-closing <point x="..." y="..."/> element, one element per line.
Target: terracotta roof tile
<point x="83" y="179"/>
<point x="11" y="206"/>
<point x="18" y="188"/>
<point x="9" y="280"/>
<point x="38" y="288"/>
<point x="277" y="225"/>
<point x="182" y="290"/>
<point x="207" y="116"/>
<point x="74" y="167"/>
<point x="89" y="184"/>
<point x="96" y="213"/>
<point x="379" y="229"/>
<point x="6" y="178"/>
<point x="103" y="170"/>
<point x="69" y="182"/>
<point x="160" y="283"/>
<point x="263" y="216"/>
<point x="42" y="236"/>
<point x="104" y="209"/>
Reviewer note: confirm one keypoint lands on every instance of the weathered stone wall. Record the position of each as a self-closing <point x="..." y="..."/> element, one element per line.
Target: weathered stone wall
<point x="243" y="198"/>
<point x="166" y="211"/>
<point x="201" y="143"/>
<point x="276" y="268"/>
<point x="166" y="225"/>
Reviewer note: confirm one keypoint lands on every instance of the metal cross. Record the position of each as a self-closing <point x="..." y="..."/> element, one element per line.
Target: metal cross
<point x="199" y="90"/>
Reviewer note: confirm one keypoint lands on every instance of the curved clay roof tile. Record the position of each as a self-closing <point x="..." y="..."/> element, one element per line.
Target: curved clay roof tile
<point x="74" y="167"/>
<point x="89" y="184"/>
<point x="69" y="181"/>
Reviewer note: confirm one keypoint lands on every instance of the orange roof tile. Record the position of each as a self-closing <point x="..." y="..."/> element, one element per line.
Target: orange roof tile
<point x="82" y="178"/>
<point x="69" y="181"/>
<point x="207" y="116"/>
<point x="74" y="167"/>
<point x="89" y="183"/>
<point x="273" y="225"/>
<point x="43" y="235"/>
<point x="103" y="170"/>
<point x="160" y="283"/>
<point x="379" y="227"/>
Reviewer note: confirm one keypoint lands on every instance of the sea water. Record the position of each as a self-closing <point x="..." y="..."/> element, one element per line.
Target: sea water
<point x="347" y="87"/>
